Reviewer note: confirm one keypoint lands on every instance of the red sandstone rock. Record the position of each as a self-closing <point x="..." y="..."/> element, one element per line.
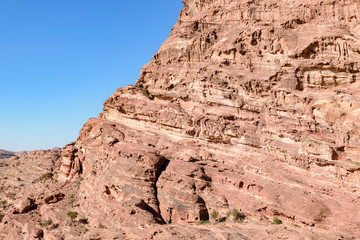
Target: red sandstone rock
<point x="25" y="205"/>
<point x="54" y="198"/>
<point x="248" y="105"/>
<point x="38" y="233"/>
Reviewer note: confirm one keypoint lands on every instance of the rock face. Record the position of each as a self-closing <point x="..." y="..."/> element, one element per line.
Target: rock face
<point x="248" y="105"/>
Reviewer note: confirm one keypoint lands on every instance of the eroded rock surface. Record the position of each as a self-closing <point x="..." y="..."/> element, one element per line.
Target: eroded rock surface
<point x="18" y="193"/>
<point x="248" y="105"/>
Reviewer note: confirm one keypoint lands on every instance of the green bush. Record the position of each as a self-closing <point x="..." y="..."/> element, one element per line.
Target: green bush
<point x="214" y="214"/>
<point x="72" y="215"/>
<point x="235" y="215"/>
<point x="202" y="222"/>
<point x="276" y="220"/>
<point x="44" y="177"/>
<point x="146" y="93"/>
<point x="1" y="217"/>
<point x="11" y="195"/>
<point x="101" y="226"/>
<point x="46" y="223"/>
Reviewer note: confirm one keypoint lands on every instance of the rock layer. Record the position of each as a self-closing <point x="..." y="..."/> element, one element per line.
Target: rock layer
<point x="255" y="104"/>
<point x="248" y="105"/>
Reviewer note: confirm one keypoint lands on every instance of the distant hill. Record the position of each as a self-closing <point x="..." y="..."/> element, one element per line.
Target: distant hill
<point x="6" y="154"/>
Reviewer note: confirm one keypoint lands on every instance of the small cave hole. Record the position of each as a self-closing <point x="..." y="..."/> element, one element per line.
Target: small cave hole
<point x="341" y="149"/>
<point x="107" y="190"/>
<point x="334" y="156"/>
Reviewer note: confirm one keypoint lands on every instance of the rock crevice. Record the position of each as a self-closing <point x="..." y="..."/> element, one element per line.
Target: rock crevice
<point x="158" y="174"/>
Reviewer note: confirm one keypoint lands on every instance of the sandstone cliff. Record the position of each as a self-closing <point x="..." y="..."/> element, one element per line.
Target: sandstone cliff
<point x="248" y="105"/>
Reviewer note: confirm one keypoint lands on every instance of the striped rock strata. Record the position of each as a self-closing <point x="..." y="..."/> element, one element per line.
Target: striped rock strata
<point x="252" y="105"/>
<point x="248" y="105"/>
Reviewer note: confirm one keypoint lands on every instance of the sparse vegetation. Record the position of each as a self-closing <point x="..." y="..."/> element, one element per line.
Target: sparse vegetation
<point x="78" y="181"/>
<point x="44" y="177"/>
<point x="1" y="217"/>
<point x="146" y="93"/>
<point x="169" y="158"/>
<point x="72" y="215"/>
<point x="235" y="215"/>
<point x="3" y="203"/>
<point x="276" y="220"/>
<point x="240" y="168"/>
<point x="101" y="226"/>
<point x="214" y="214"/>
<point x="71" y="202"/>
<point x="82" y="229"/>
<point x="298" y="181"/>
<point x="356" y="163"/>
<point x="203" y="222"/>
<point x="252" y="12"/>
<point x="46" y="223"/>
<point x="11" y="195"/>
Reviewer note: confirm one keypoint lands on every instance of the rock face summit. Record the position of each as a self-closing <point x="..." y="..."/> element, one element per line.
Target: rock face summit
<point x="250" y="107"/>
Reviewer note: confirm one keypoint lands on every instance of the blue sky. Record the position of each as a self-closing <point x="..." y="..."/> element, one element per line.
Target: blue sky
<point x="60" y="60"/>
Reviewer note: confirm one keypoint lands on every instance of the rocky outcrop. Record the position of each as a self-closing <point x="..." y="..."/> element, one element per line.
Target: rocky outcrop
<point x="54" y="198"/>
<point x="25" y="205"/>
<point x="249" y="107"/>
<point x="254" y="104"/>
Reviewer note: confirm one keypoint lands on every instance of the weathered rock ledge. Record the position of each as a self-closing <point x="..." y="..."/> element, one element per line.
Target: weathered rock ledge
<point x="248" y="105"/>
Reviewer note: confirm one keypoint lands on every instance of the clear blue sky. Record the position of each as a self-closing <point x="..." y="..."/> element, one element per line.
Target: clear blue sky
<point x="61" y="59"/>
